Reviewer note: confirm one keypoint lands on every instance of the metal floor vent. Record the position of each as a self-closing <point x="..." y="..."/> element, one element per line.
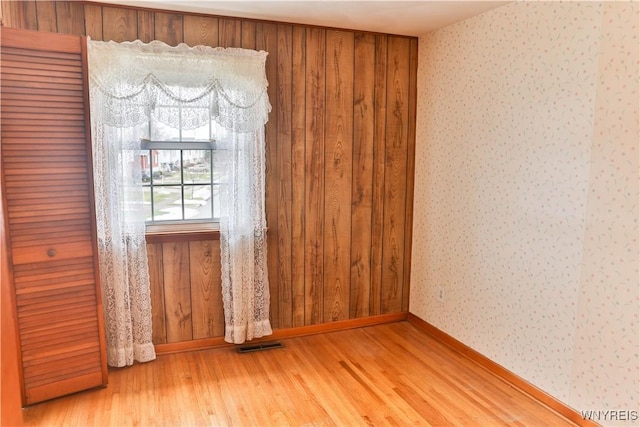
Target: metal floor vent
<point x="259" y="347"/>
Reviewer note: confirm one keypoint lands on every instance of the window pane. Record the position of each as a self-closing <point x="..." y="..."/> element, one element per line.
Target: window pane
<point x="197" y="201"/>
<point x="146" y="193"/>
<point x="145" y="166"/>
<point x="221" y="159"/>
<point x="193" y="116"/>
<point x="197" y="166"/>
<point x="197" y="134"/>
<point x="157" y="177"/>
<point x="159" y="130"/>
<point x="216" y="201"/>
<point x="167" y="167"/>
<point x="167" y="203"/>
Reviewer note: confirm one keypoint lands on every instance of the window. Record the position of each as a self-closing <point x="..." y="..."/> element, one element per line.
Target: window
<point x="178" y="166"/>
<point x="134" y="88"/>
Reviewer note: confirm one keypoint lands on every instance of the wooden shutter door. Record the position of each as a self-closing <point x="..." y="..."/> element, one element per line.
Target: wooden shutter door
<point x="50" y="220"/>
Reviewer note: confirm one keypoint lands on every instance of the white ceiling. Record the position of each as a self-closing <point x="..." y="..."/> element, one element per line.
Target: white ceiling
<point x="412" y="18"/>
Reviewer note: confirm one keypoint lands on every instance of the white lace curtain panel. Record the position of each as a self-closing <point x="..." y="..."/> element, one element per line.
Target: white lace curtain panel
<point x="229" y="87"/>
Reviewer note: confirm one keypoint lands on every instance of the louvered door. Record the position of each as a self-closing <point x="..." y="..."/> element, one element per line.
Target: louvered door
<point x="47" y="185"/>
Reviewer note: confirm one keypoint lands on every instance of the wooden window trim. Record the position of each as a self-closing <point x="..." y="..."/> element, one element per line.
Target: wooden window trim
<point x="186" y="232"/>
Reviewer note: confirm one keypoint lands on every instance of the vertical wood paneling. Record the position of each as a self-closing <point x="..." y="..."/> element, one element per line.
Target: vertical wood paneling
<point x="70" y="17"/>
<point x="411" y="155"/>
<point x="206" y="289"/>
<point x="267" y="39"/>
<point x="216" y="295"/>
<point x="93" y="21"/>
<point x="377" y="208"/>
<point x="285" y="35"/>
<point x="339" y="160"/>
<point x="146" y="26"/>
<point x="168" y="28"/>
<point x="12" y="16"/>
<point x="314" y="176"/>
<point x="30" y="14"/>
<point x="363" y="140"/>
<point x="230" y="32"/>
<point x="298" y="174"/>
<point x="248" y="36"/>
<point x="156" y="278"/>
<point x="177" y="291"/>
<point x="46" y="16"/>
<point x="19" y="14"/>
<point x="395" y="173"/>
<point x="200" y="30"/>
<point x="119" y="24"/>
<point x="338" y="174"/>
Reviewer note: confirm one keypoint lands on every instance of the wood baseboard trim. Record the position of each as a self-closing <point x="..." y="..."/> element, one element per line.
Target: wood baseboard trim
<point x="300" y="331"/>
<point x="501" y="372"/>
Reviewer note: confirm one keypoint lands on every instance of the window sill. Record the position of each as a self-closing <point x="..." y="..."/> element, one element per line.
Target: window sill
<point x="164" y="233"/>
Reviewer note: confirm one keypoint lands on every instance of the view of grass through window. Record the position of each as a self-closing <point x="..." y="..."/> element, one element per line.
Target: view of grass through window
<point x="179" y="176"/>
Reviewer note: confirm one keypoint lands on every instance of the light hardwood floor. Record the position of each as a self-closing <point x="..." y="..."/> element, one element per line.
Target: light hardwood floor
<point x="391" y="374"/>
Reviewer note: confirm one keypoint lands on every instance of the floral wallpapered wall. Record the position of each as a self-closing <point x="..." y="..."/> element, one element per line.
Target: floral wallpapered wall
<point x="606" y="366"/>
<point x="525" y="241"/>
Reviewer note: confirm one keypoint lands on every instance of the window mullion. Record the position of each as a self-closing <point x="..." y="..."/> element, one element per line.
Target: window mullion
<point x="153" y="212"/>
<point x="211" y="153"/>
<point x="182" y="181"/>
<point x="211" y="171"/>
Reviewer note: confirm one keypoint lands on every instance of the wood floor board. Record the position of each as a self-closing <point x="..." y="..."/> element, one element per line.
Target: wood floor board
<point x="392" y="374"/>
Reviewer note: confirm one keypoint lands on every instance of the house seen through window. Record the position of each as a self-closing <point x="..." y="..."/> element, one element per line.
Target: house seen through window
<point x="178" y="166"/>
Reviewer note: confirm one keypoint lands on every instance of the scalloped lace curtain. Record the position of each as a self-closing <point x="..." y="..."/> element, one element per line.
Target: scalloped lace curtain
<point x="227" y="86"/>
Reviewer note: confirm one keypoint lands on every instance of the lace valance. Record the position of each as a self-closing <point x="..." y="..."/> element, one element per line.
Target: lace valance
<point x="179" y="86"/>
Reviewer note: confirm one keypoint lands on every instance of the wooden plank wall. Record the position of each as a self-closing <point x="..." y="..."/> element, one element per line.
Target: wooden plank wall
<point x="340" y="144"/>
